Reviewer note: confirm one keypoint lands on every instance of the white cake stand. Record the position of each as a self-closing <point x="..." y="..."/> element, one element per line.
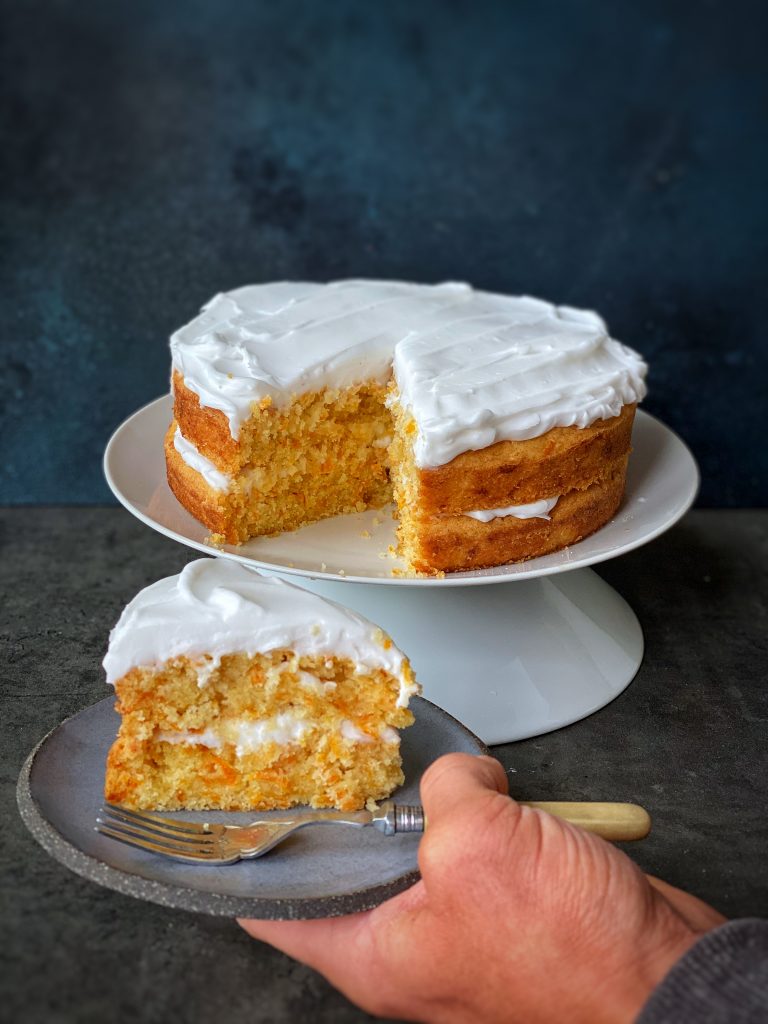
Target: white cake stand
<point x="545" y="645"/>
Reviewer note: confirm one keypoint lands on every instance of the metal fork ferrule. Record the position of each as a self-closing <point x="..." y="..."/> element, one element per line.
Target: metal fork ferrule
<point x="391" y="818"/>
<point x="409" y="818"/>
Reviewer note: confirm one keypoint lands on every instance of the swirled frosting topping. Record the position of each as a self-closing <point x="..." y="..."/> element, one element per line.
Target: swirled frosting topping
<point x="216" y="607"/>
<point x="472" y="367"/>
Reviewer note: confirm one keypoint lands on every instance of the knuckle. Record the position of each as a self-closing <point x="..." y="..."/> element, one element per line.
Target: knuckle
<point x="468" y="836"/>
<point x="432" y="853"/>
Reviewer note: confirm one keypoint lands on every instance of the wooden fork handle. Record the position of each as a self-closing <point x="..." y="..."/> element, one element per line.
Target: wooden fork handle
<point x="617" y="822"/>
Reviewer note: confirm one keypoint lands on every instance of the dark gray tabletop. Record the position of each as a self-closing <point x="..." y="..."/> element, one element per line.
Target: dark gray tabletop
<point x="687" y="739"/>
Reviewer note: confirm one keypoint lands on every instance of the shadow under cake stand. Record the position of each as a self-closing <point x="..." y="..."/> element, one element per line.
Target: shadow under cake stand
<point x="513" y="651"/>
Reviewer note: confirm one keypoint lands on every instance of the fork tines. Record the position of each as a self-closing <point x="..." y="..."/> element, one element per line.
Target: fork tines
<point x="184" y="840"/>
<point x="157" y="820"/>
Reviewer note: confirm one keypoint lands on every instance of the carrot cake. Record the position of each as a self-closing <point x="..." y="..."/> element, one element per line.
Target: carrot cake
<point x="500" y="425"/>
<point x="240" y="691"/>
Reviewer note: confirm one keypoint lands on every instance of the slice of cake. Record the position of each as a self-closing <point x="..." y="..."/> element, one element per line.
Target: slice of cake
<point x="293" y="402"/>
<point x="239" y="691"/>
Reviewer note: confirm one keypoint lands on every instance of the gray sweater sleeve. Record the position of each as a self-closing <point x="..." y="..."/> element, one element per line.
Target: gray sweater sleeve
<point x="722" y="979"/>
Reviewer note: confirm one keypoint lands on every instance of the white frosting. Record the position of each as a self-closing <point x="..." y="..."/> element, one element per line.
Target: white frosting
<point x="205" y="670"/>
<point x="534" y="510"/>
<point x="248" y="735"/>
<point x="502" y="368"/>
<point x="310" y="682"/>
<point x="407" y="690"/>
<point x="211" y="738"/>
<point x="352" y="733"/>
<point x="215" y="606"/>
<point x="196" y="460"/>
<point x="472" y="367"/>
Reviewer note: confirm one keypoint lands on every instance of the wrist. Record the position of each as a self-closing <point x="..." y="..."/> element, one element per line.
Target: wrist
<point x="627" y="987"/>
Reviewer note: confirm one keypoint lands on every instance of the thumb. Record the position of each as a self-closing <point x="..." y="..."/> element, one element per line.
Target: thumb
<point x="457" y="781"/>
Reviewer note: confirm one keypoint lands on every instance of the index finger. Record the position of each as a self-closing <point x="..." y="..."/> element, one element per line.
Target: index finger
<point x="317" y="943"/>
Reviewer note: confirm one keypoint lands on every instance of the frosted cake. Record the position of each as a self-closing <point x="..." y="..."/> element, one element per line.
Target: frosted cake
<point x="500" y="425"/>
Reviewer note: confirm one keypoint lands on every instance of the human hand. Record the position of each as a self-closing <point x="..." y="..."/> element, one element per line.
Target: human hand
<point x="518" y="916"/>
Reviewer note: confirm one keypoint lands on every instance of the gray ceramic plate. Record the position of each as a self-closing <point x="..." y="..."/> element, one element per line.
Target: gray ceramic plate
<point x="319" y="872"/>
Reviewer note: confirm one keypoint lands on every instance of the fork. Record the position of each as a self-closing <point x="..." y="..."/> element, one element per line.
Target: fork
<point x="216" y="844"/>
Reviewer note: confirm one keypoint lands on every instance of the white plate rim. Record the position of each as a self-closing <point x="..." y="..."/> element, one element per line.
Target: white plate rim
<point x="479" y="577"/>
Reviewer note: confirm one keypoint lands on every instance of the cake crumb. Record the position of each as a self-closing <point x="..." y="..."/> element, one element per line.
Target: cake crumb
<point x="342" y="572"/>
<point x="365" y="533"/>
<point x="323" y="567"/>
<point x="414" y="574"/>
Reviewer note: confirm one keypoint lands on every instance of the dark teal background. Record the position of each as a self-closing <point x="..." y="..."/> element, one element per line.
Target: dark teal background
<point x="609" y="155"/>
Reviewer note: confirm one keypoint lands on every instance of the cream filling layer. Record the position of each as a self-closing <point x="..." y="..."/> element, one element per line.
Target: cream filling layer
<point x="534" y="510"/>
<point x="248" y="735"/>
<point x="196" y="460"/>
<point x="257" y="477"/>
<point x="221" y="482"/>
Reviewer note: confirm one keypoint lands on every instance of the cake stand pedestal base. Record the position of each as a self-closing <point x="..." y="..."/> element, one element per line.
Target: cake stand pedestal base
<point x="510" y="660"/>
